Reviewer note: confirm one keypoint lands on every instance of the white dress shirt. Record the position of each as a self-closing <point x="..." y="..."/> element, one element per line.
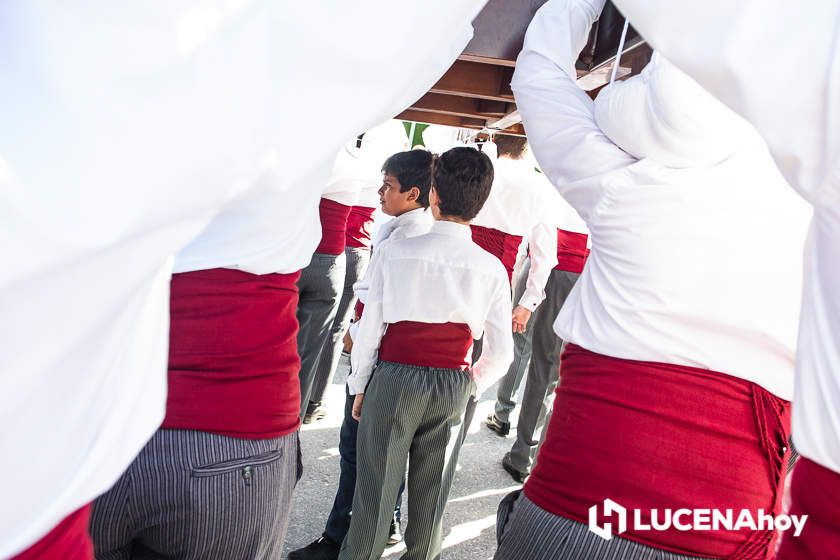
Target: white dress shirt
<point x="439" y="277"/>
<point x="777" y="63"/>
<point x="410" y="224"/>
<point x="523" y="203"/>
<point x="127" y="131"/>
<point x="697" y="262"/>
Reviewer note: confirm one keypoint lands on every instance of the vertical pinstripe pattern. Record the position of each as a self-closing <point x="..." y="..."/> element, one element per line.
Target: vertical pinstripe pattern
<point x="194" y="495"/>
<point x="531" y="533"/>
<point x="320" y="286"/>
<point x="412" y="413"/>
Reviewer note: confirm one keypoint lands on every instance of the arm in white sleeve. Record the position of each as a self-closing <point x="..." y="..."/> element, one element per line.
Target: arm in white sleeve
<point x="776" y="63"/>
<point x="542" y="245"/>
<point x="370" y="329"/>
<point x="559" y="116"/>
<point x="497" y="349"/>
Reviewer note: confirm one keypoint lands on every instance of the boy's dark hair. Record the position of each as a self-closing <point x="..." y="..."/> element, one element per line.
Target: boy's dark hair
<point x="412" y="169"/>
<point x="462" y="177"/>
<point x="511" y="146"/>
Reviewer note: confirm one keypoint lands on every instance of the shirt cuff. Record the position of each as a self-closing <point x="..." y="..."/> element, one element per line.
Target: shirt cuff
<point x="355" y="385"/>
<point x="530" y="302"/>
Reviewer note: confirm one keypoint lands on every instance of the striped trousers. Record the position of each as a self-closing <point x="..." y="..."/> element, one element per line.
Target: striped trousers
<point x="527" y="532"/>
<point x="410" y="413"/>
<point x="193" y="495"/>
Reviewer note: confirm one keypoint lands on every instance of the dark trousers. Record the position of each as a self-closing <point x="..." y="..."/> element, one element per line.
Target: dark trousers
<point x="339" y="520"/>
<point x="320" y="285"/>
<point x="357" y="261"/>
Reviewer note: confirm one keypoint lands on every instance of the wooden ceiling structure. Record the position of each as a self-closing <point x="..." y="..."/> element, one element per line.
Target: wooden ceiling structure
<point x="475" y="92"/>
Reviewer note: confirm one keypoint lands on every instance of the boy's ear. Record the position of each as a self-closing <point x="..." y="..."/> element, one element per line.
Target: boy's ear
<point x="414" y="194"/>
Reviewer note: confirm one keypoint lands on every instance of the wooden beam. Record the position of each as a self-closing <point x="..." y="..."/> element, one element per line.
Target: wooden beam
<point x="438" y="118"/>
<point x="460" y="106"/>
<point x="507" y="121"/>
<point x="473" y="79"/>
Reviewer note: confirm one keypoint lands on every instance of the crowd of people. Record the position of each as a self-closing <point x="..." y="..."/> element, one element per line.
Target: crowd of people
<point x="646" y="283"/>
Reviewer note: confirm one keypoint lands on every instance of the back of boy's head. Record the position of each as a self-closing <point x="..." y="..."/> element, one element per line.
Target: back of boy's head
<point x="412" y="169"/>
<point x="462" y="178"/>
<point x="511" y="146"/>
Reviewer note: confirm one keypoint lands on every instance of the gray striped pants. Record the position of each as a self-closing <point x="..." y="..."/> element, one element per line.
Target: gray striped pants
<point x="413" y="413"/>
<point x="198" y="496"/>
<point x="527" y="532"/>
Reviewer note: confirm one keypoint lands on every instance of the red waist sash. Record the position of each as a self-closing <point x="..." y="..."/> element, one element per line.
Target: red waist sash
<point x="815" y="491"/>
<point x="655" y="436"/>
<point x="69" y="540"/>
<point x="504" y="246"/>
<point x="571" y="251"/>
<point x="333" y="226"/>
<point x="359" y="224"/>
<point x="233" y="361"/>
<point x="437" y="345"/>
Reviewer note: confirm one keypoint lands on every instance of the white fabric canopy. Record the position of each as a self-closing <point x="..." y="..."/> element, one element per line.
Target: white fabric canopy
<point x="128" y="128"/>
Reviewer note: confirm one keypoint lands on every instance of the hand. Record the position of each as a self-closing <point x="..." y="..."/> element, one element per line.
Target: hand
<point x="357" y="406"/>
<point x="348" y="342"/>
<point x="521" y="316"/>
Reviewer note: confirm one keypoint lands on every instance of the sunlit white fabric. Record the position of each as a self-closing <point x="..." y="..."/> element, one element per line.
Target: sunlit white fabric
<point x="439" y="277"/>
<point x="697" y="264"/>
<point x="131" y="128"/>
<point x="778" y="64"/>
<point x="522" y="202"/>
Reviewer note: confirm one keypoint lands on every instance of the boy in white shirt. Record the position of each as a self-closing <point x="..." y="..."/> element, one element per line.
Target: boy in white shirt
<point x="429" y="297"/>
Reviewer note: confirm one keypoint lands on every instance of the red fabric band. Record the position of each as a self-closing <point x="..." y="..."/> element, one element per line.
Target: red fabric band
<point x="333" y="226"/>
<point x="437" y="345"/>
<point x="503" y="246"/>
<point x="650" y="435"/>
<point x="69" y="540"/>
<point x="359" y="224"/>
<point x="571" y="251"/>
<point x="815" y="491"/>
<point x="233" y="361"/>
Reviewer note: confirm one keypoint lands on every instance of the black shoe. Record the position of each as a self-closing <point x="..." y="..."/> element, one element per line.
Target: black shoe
<point x="514" y="473"/>
<point x="322" y="549"/>
<point x="314" y="411"/>
<point x="501" y="428"/>
<point x="394" y="535"/>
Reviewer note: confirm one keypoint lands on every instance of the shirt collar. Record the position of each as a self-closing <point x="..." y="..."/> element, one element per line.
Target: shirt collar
<point x="452" y="229"/>
<point x="412" y="215"/>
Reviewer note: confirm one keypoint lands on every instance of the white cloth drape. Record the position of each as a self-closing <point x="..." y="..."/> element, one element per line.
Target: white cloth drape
<point x="128" y="129"/>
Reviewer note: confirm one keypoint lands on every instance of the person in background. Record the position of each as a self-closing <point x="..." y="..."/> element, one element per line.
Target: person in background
<point x="429" y="296"/>
<point x="404" y="194"/>
<point x="681" y="331"/>
<point x="365" y="155"/>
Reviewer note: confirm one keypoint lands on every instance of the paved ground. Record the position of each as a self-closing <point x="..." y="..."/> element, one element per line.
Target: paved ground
<point x="469" y="522"/>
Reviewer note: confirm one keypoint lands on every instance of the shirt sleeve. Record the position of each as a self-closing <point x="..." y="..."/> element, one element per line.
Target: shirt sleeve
<point x="497" y="349"/>
<point x="774" y="62"/>
<point x="559" y="116"/>
<point x="542" y="245"/>
<point x="370" y="329"/>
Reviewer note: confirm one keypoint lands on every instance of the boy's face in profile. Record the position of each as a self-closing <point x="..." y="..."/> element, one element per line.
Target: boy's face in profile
<point x="392" y="201"/>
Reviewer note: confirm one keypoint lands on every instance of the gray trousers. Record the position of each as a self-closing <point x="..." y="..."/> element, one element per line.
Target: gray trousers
<point x="357" y="262"/>
<point x="527" y="532"/>
<point x="320" y="286"/>
<point x="509" y="384"/>
<point x="413" y="413"/>
<point x="544" y="371"/>
<point x="192" y="495"/>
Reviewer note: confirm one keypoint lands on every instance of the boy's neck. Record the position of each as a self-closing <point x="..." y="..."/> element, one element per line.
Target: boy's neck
<point x="454" y="219"/>
<point x="407" y="211"/>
